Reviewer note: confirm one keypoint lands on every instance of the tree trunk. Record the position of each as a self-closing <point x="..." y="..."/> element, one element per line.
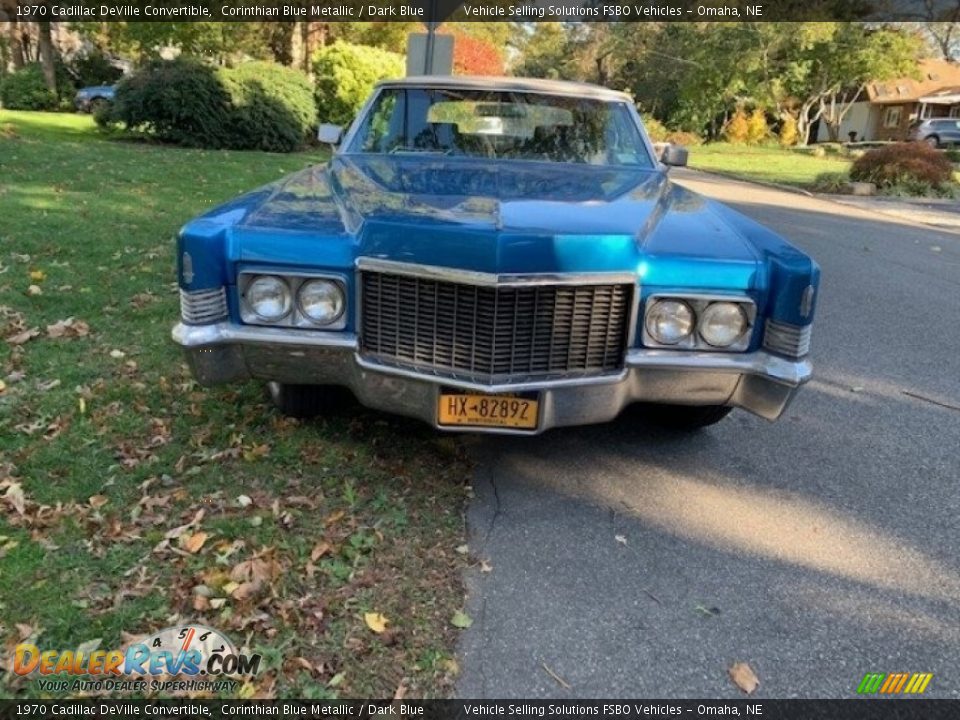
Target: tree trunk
<point x="16" y="46"/>
<point x="47" y="56"/>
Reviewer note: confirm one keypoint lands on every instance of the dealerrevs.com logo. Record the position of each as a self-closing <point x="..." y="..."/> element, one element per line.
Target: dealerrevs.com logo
<point x="184" y="658"/>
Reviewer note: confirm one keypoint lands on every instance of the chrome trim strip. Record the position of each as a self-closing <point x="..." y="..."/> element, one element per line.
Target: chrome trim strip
<point x="200" y="307"/>
<point x="785" y="339"/>
<point x="226" y="333"/>
<point x="493" y="388"/>
<point x="473" y="277"/>
<point x="788" y="372"/>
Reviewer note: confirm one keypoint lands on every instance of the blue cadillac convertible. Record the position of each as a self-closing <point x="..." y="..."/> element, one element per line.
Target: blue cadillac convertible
<point x="496" y="255"/>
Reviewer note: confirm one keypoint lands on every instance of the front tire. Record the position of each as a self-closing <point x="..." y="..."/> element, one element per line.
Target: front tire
<point x="687" y="417"/>
<point x="305" y="401"/>
<point x="933" y="141"/>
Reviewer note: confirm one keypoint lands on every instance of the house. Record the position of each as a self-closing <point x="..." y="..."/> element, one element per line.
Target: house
<point x="886" y="109"/>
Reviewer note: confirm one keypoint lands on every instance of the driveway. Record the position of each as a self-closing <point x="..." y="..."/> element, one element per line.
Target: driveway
<point x="627" y="561"/>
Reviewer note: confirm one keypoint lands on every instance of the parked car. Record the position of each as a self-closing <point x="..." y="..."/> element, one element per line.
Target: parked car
<point x="937" y="132"/>
<point x="497" y="255"/>
<point x="89" y="99"/>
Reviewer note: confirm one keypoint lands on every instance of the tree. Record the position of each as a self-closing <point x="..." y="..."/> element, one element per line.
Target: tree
<point x="545" y="52"/>
<point x="832" y="63"/>
<point x="474" y="56"/>
<point x="941" y="24"/>
<point x="48" y="55"/>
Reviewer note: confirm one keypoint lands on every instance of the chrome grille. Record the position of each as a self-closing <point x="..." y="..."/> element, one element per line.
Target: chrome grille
<point x="785" y="339"/>
<point x="493" y="333"/>
<point x="203" y="306"/>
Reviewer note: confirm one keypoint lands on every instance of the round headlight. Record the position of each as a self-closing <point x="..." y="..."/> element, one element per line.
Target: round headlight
<point x="268" y="297"/>
<point x="722" y="324"/>
<point x="321" y="301"/>
<point x="669" y="321"/>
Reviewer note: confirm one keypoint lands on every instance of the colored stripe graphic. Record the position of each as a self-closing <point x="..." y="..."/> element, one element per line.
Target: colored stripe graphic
<point x="894" y="683"/>
<point x="870" y="683"/>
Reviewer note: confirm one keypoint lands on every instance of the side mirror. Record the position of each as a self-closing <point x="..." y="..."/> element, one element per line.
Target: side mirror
<point x="674" y="156"/>
<point x="330" y="134"/>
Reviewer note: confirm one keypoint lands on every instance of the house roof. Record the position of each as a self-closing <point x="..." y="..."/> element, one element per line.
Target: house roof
<point x="944" y="96"/>
<point x="932" y="77"/>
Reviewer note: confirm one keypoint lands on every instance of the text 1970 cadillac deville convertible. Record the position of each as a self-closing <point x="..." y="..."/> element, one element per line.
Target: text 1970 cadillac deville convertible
<point x="497" y="255"/>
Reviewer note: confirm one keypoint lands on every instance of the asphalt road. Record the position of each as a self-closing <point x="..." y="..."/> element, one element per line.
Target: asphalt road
<point x="816" y="549"/>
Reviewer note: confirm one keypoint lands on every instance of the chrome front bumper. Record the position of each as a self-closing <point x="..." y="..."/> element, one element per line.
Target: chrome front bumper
<point x="759" y="382"/>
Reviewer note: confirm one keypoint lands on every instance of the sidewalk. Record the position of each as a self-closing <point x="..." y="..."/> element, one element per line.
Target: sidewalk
<point x="943" y="214"/>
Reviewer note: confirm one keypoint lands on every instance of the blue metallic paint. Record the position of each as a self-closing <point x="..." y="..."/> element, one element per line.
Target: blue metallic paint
<point x="500" y="217"/>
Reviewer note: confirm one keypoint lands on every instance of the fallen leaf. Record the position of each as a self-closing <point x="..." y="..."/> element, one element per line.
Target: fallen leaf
<point x="16" y="497"/>
<point x="620" y="539"/>
<point x="744" y="677"/>
<point x="200" y="603"/>
<point x="319" y="550"/>
<point x="334" y="518"/>
<point x="935" y="248"/>
<point x="485" y="566"/>
<point x="34" y="290"/>
<point x="244" y="501"/>
<point x="98" y="501"/>
<point x="195" y="542"/>
<point x="3" y="386"/>
<point x="117" y="354"/>
<point x="375" y="621"/>
<point x="48" y="385"/>
<point x="217" y="603"/>
<point x="246" y="590"/>
<point x="68" y="328"/>
<point x="337" y="679"/>
<point x="38" y="275"/>
<point x="461" y="620"/>
<point x="23" y="337"/>
<point x="462" y="549"/>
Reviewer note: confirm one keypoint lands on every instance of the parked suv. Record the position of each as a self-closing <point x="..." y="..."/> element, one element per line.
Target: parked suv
<point x="937" y="132"/>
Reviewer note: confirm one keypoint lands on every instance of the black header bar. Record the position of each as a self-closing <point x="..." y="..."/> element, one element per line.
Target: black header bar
<point x="476" y="10"/>
<point x="873" y="709"/>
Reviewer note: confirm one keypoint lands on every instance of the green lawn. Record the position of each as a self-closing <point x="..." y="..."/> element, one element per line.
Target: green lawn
<point x="107" y="447"/>
<point x="765" y="163"/>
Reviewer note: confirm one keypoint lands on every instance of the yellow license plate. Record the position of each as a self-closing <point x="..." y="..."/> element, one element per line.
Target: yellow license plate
<point x="517" y="410"/>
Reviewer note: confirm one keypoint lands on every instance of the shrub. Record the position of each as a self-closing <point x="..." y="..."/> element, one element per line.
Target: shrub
<point x="346" y="74"/>
<point x="254" y="106"/>
<point x="953" y="155"/>
<point x="655" y="129"/>
<point x="737" y="129"/>
<point x="788" y="135"/>
<point x="27" y="90"/>
<point x="903" y="164"/>
<point x="830" y="182"/>
<point x="757" y="128"/>
<point x="273" y="106"/>
<point x="682" y="137"/>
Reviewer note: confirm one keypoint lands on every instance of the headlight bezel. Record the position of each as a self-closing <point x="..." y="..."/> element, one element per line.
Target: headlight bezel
<point x="294" y="280"/>
<point x="698" y="303"/>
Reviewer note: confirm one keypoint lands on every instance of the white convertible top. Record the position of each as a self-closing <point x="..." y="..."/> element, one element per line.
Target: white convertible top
<point x="514" y="84"/>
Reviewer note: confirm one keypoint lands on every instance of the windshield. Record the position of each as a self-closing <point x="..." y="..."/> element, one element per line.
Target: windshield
<point x="505" y="125"/>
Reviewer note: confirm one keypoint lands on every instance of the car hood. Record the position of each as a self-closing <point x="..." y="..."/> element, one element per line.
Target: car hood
<point x="494" y="215"/>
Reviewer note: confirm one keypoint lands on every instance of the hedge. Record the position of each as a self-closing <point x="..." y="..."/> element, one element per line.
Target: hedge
<point x="346" y="74"/>
<point x="903" y="163"/>
<point x="26" y="89"/>
<point x="256" y="106"/>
